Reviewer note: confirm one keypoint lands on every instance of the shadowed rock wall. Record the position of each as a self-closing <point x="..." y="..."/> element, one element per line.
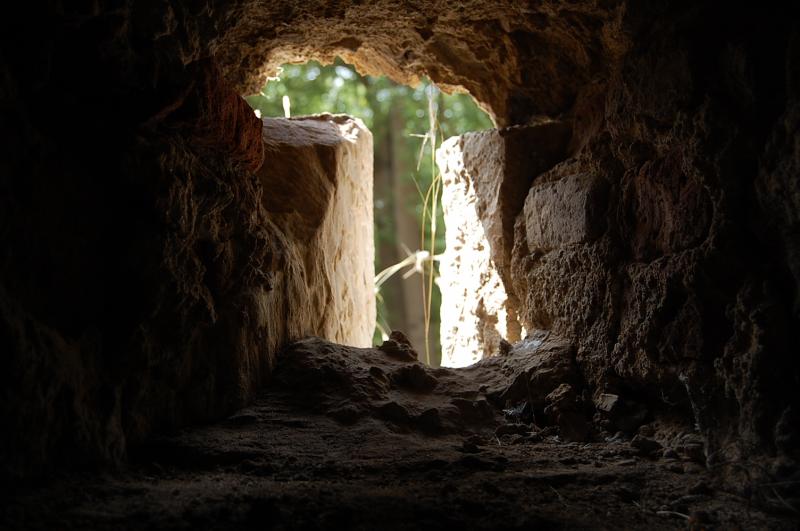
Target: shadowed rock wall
<point x="133" y="256"/>
<point x="656" y="239"/>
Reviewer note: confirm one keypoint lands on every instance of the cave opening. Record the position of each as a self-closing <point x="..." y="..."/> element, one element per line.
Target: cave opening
<point x="408" y="126"/>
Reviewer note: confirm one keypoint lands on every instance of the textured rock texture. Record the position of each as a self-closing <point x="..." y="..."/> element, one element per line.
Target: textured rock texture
<point x="475" y="312"/>
<point x="657" y="240"/>
<point x="388" y="383"/>
<point x="221" y="269"/>
<point x="137" y="252"/>
<point x="486" y="176"/>
<point x="518" y="60"/>
<point x="133" y="262"/>
<point x="318" y="193"/>
<point x="379" y="441"/>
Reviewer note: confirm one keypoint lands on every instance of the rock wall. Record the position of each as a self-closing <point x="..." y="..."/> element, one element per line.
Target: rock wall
<point x="131" y="272"/>
<point x="519" y="60"/>
<point x="318" y="194"/>
<point x="159" y="297"/>
<point x="475" y="312"/>
<point x="485" y="176"/>
<point x="653" y="238"/>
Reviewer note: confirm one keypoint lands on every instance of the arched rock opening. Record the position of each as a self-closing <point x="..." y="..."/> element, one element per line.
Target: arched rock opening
<point x="137" y="254"/>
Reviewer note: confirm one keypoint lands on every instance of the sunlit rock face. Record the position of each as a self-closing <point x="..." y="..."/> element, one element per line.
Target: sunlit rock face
<point x="318" y="193"/>
<point x="485" y="177"/>
<point x="475" y="310"/>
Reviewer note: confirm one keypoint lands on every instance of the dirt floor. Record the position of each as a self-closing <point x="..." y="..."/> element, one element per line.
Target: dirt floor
<point x="369" y="439"/>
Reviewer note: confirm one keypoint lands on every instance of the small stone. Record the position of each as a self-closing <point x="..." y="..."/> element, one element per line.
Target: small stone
<point x="504" y="348"/>
<point x="399" y="347"/>
<point x="394" y="412"/>
<point x="565" y="410"/>
<point x="647" y="430"/>
<point x="400" y="338"/>
<point x="606" y="402"/>
<point x="415" y="378"/>
<point x="645" y="446"/>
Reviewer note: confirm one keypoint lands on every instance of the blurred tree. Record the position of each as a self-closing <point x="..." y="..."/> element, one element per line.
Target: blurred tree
<point x="398" y="117"/>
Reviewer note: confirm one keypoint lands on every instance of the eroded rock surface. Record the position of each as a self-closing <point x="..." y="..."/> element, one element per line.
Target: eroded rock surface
<point x="364" y="448"/>
<point x="648" y="238"/>
<point x="518" y="60"/>
<point x="475" y="313"/>
<point x="486" y="176"/>
<point x="238" y="264"/>
<point x="318" y="193"/>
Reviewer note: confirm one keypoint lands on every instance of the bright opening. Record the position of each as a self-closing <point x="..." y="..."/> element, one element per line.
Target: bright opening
<point x="407" y="125"/>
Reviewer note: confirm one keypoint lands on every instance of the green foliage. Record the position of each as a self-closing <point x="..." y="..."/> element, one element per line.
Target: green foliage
<point x="338" y="88"/>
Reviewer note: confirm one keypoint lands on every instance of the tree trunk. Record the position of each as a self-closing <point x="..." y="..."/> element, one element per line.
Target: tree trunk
<point x="407" y="227"/>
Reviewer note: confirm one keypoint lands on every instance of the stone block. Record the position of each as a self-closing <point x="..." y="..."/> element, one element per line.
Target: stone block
<point x="486" y="176"/>
<point x="567" y="211"/>
<point x="317" y="180"/>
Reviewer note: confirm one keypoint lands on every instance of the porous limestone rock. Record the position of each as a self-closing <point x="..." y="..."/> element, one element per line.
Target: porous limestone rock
<point x="485" y="178"/>
<point x="475" y="311"/>
<point x="519" y="60"/>
<point x="318" y="193"/>
<point x="350" y="384"/>
<point x="564" y="212"/>
<point x="635" y="243"/>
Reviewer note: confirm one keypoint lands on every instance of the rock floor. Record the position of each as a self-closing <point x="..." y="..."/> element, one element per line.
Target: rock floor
<point x="362" y="450"/>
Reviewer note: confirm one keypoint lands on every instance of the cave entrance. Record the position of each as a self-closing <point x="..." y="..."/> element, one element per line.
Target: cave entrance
<point x="408" y="124"/>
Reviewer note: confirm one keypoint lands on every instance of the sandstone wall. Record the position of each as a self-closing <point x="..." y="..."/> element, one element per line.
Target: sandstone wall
<point x="485" y="176"/>
<point x="318" y="194"/>
<point x="475" y="313"/>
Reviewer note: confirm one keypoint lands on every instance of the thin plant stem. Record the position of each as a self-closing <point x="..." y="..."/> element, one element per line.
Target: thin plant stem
<point x="434" y="197"/>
